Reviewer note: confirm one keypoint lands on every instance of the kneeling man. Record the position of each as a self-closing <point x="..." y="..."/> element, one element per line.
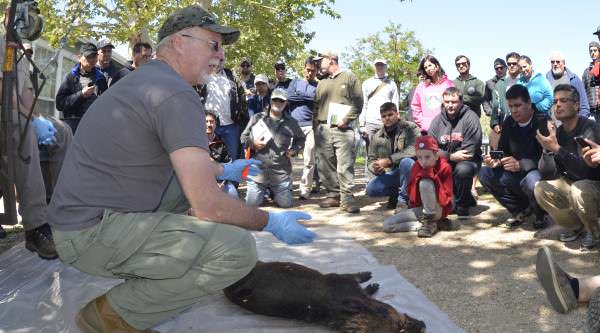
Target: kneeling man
<point x="275" y="137"/>
<point x="511" y="177"/>
<point x="390" y="158"/>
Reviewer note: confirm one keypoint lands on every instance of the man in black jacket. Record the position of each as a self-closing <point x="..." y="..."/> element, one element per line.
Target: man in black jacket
<point x="458" y="133"/>
<point x="81" y="86"/>
<point x="141" y="53"/>
<point x="570" y="189"/>
<point x="510" y="178"/>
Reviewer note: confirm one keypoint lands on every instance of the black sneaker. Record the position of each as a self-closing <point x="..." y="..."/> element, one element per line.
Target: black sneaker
<point x="446" y="224"/>
<point x="2" y="232"/>
<point x="40" y="240"/>
<point x="463" y="213"/>
<point x="555" y="282"/>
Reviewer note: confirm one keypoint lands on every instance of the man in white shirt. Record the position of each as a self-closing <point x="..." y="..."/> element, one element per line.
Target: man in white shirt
<point x="376" y="90"/>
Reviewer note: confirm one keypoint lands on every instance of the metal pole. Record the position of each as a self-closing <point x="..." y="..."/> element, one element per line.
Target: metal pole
<point x="7" y="142"/>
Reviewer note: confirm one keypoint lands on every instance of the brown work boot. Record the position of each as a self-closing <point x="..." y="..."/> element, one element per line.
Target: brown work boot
<point x="429" y="226"/>
<point x="330" y="202"/>
<point x="99" y="317"/>
<point x="350" y="207"/>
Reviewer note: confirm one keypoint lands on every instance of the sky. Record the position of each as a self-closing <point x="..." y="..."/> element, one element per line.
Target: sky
<point x="483" y="30"/>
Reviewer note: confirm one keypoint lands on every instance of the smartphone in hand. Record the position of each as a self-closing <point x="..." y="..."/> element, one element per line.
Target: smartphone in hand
<point x="581" y="142"/>
<point x="543" y="127"/>
<point x="496" y="154"/>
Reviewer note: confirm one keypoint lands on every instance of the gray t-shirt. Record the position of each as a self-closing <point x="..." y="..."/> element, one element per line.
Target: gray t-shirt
<point x="119" y="158"/>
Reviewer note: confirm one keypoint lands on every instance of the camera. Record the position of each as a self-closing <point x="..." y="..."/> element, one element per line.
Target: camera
<point x="28" y="22"/>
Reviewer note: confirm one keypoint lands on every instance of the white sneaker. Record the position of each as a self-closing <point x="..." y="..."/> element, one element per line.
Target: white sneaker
<point x="304" y="195"/>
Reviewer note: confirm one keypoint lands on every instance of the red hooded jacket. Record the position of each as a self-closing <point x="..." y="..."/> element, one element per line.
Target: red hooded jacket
<point x="441" y="174"/>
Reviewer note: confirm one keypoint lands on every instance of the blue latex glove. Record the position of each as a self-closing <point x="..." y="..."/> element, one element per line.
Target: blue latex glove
<point x="285" y="227"/>
<point x="45" y="131"/>
<point x="233" y="171"/>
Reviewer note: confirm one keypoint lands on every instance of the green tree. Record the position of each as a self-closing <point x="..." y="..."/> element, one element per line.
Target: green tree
<point x="271" y="29"/>
<point x="402" y="50"/>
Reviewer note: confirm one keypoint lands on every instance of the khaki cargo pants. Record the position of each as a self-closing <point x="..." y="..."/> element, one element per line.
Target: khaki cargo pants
<point x="169" y="260"/>
<point x="572" y="205"/>
<point x="335" y="160"/>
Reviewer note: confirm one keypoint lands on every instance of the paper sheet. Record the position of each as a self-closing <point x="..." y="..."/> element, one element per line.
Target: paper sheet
<point x="44" y="296"/>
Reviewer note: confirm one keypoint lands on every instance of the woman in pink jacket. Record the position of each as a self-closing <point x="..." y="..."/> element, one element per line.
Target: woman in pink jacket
<point x="427" y="100"/>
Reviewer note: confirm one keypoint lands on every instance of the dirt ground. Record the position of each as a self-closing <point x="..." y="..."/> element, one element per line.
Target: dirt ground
<point x="482" y="276"/>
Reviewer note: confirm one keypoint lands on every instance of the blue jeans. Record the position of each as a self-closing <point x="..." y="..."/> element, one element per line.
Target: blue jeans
<point x="392" y="183"/>
<point x="282" y="193"/>
<point x="230" y="134"/>
<point x="513" y="190"/>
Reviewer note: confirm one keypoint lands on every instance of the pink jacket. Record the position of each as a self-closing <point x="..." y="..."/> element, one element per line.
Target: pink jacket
<point x="427" y="101"/>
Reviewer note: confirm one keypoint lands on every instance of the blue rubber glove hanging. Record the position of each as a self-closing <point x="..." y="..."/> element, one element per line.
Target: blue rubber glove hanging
<point x="285" y="227"/>
<point x="233" y="171"/>
<point x="45" y="131"/>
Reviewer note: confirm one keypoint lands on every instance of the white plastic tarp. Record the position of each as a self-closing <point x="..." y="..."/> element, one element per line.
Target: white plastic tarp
<point x="44" y="296"/>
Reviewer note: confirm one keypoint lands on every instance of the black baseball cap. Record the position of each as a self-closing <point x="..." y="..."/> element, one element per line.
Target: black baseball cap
<point x="88" y="49"/>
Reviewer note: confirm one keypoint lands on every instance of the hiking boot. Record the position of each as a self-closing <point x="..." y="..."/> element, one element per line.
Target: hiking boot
<point x="555" y="282"/>
<point x="392" y="202"/>
<point x="99" y="316"/>
<point x="350" y="207"/>
<point x="428" y="226"/>
<point x="446" y="224"/>
<point x="40" y="240"/>
<point x="463" y="213"/>
<point x="2" y="232"/>
<point x="592" y="320"/>
<point x="400" y="206"/>
<point x="517" y="219"/>
<point x="570" y="235"/>
<point x="589" y="241"/>
<point x="330" y="202"/>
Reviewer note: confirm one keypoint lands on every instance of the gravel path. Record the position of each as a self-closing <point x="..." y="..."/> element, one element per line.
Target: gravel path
<point x="482" y="276"/>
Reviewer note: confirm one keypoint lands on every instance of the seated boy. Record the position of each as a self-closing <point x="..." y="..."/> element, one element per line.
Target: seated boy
<point x="429" y="192"/>
<point x="275" y="138"/>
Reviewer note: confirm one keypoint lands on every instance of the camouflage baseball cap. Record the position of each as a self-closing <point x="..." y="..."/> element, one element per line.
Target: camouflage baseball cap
<point x="196" y="16"/>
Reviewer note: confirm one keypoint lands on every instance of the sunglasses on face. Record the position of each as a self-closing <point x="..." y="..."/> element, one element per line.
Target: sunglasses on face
<point x="459" y="64"/>
<point x="212" y="43"/>
<point x="245" y="65"/>
<point x="277" y="100"/>
<point x="499" y="68"/>
<point x="280" y="68"/>
<point x="512" y="64"/>
<point x="555" y="61"/>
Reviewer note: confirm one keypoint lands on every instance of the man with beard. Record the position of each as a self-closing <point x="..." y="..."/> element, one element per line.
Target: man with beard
<point x="246" y="76"/>
<point x="569" y="187"/>
<point x="560" y="74"/>
<point x="274" y="137"/>
<point x="137" y="199"/>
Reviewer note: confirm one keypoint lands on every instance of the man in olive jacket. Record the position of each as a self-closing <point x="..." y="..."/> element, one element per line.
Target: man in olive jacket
<point x="390" y="157"/>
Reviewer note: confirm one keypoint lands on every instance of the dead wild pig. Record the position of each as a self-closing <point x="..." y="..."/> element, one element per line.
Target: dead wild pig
<point x="284" y="289"/>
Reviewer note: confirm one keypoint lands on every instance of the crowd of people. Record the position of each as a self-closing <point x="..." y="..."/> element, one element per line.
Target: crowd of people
<point x="151" y="159"/>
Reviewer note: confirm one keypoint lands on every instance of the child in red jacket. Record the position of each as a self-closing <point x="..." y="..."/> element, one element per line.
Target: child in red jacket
<point x="429" y="192"/>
